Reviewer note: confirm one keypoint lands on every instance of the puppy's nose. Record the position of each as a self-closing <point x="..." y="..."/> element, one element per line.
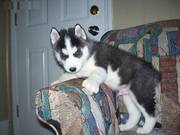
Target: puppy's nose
<point x="72" y="69"/>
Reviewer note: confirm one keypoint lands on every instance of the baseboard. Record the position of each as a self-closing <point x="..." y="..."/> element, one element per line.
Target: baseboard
<point x="4" y="127"/>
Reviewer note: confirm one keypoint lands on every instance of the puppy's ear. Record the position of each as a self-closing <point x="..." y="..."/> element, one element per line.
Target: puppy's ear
<point x="80" y="32"/>
<point x="54" y="36"/>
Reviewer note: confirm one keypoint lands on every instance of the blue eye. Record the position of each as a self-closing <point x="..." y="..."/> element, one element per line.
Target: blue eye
<point x="78" y="53"/>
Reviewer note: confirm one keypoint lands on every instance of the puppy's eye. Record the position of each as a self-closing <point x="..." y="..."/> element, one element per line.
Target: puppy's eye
<point x="78" y="53"/>
<point x="64" y="56"/>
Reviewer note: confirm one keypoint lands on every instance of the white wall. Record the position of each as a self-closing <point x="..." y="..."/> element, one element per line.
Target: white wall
<point x="127" y="13"/>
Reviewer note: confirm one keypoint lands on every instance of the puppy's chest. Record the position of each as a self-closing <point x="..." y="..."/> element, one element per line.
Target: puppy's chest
<point x="112" y="79"/>
<point x="88" y="67"/>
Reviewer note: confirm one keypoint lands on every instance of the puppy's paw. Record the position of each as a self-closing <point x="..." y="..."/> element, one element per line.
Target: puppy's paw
<point x="91" y="85"/>
<point x="123" y="127"/>
<point x="142" y="130"/>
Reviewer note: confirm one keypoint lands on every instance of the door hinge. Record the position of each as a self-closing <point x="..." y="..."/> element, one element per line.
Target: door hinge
<point x="15" y="19"/>
<point x="17" y="111"/>
<point x="13" y="5"/>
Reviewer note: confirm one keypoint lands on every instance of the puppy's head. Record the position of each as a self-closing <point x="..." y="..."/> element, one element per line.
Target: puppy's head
<point x="70" y="49"/>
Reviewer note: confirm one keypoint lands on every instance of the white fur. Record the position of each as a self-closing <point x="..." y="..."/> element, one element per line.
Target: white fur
<point x="133" y="111"/>
<point x="113" y="80"/>
<point x="72" y="61"/>
<point x="96" y="76"/>
<point x="88" y="67"/>
<point x="149" y="120"/>
<point x="58" y="56"/>
<point x="85" y="71"/>
<point x="65" y="51"/>
<point x="95" y="79"/>
<point x="69" y="49"/>
<point x="79" y="32"/>
<point x="54" y="36"/>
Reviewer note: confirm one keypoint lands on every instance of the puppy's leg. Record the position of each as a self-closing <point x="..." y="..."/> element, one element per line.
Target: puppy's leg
<point x="150" y="121"/>
<point x="134" y="114"/>
<point x="149" y="124"/>
<point x="96" y="78"/>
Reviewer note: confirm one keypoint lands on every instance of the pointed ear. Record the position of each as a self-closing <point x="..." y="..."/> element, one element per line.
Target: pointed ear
<point x="54" y="36"/>
<point x="80" y="32"/>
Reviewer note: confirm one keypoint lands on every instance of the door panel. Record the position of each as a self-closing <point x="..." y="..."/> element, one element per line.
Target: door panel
<point x="36" y="12"/>
<point x="32" y="57"/>
<point x="76" y="9"/>
<point x="36" y="73"/>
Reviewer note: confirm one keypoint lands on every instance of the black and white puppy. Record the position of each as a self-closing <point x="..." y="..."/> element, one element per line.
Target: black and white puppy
<point x="102" y="63"/>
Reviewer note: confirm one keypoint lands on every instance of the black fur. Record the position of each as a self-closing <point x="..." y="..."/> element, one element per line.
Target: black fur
<point x="132" y="70"/>
<point x="140" y="74"/>
<point x="60" y="44"/>
<point x="67" y="33"/>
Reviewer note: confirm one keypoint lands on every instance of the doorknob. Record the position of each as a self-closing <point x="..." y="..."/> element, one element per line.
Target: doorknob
<point x="93" y="30"/>
<point x="94" y="10"/>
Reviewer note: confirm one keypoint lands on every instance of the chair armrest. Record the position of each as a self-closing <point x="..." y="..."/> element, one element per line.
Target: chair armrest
<point x="77" y="112"/>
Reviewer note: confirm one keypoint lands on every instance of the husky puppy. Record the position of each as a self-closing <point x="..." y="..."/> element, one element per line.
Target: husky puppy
<point x="102" y="63"/>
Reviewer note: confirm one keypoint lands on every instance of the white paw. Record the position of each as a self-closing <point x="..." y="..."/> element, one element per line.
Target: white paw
<point x="91" y="85"/>
<point x="123" y="127"/>
<point x="142" y="130"/>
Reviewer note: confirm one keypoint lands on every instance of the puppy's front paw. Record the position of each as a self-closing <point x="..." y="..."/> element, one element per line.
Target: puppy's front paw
<point x="91" y="85"/>
<point x="123" y="127"/>
<point x="142" y="130"/>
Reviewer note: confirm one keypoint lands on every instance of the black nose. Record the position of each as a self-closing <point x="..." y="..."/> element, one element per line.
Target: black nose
<point x="72" y="69"/>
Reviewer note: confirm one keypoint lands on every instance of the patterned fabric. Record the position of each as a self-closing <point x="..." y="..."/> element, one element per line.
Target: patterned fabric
<point x="159" y="44"/>
<point x="77" y="112"/>
<point x="68" y="107"/>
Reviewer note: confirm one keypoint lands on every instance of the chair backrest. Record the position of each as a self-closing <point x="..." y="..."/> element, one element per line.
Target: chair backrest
<point x="148" y="40"/>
